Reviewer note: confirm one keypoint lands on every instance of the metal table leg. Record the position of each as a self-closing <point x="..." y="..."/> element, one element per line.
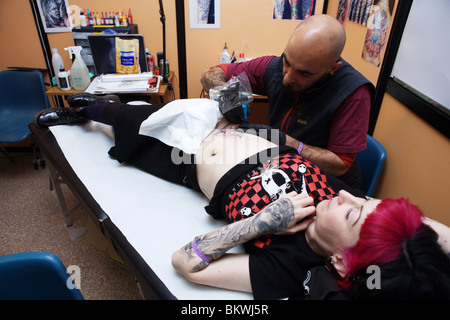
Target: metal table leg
<point x="55" y="182"/>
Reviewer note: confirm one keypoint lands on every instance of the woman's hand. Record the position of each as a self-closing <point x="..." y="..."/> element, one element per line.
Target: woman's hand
<point x="289" y="214"/>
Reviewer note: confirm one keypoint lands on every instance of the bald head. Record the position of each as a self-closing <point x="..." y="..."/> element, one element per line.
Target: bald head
<point x="312" y="52"/>
<point x="320" y="35"/>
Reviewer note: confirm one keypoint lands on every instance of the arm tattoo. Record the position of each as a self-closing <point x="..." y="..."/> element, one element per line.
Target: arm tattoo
<point x="190" y="254"/>
<point x="278" y="216"/>
<point x="282" y="216"/>
<point x="203" y="10"/>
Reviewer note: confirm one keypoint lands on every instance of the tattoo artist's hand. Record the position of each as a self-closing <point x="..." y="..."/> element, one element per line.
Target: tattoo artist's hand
<point x="290" y="214"/>
<point x="212" y="78"/>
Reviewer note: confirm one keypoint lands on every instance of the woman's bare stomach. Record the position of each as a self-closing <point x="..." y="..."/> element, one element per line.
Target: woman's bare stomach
<point x="223" y="149"/>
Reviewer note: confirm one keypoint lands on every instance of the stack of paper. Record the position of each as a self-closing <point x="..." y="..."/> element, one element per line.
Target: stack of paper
<point x="123" y="83"/>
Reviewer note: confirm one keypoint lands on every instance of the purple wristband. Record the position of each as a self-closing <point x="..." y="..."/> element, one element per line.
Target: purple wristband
<point x="199" y="253"/>
<point x="300" y="147"/>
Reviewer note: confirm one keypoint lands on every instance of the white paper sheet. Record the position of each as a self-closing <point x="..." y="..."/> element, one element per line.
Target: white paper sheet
<point x="183" y="123"/>
<point x="105" y="84"/>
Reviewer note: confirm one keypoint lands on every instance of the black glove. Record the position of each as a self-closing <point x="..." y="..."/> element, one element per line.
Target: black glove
<point x="238" y="114"/>
<point x="232" y="105"/>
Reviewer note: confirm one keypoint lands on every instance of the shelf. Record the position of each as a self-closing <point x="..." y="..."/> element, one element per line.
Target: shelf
<point x="129" y="29"/>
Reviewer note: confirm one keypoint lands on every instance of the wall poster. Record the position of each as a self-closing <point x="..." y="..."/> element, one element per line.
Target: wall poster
<point x="204" y="14"/>
<point x="378" y="24"/>
<point x="293" y="9"/>
<point x="376" y="16"/>
<point x="55" y="15"/>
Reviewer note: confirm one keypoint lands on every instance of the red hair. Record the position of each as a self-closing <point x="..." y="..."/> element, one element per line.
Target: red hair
<point x="382" y="236"/>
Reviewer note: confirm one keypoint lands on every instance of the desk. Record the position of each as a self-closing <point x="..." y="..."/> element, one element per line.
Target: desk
<point x="147" y="96"/>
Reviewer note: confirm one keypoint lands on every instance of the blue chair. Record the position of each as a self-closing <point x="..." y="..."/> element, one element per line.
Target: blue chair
<point x="35" y="276"/>
<point x="371" y="161"/>
<point x="22" y="95"/>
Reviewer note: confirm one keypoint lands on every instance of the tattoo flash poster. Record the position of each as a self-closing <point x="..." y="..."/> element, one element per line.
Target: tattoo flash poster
<point x="357" y="11"/>
<point x="378" y="24"/>
<point x="376" y="16"/>
<point x="204" y="14"/>
<point x="293" y="9"/>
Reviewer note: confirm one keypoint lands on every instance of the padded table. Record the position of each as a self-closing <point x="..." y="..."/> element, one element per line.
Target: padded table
<point x="144" y="217"/>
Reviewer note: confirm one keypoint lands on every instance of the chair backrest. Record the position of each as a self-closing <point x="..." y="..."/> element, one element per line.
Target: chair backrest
<point x="22" y="96"/>
<point x="371" y="161"/>
<point x="35" y="276"/>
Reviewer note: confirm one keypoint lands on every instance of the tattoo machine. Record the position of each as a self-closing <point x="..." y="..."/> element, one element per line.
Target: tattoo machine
<point x="234" y="98"/>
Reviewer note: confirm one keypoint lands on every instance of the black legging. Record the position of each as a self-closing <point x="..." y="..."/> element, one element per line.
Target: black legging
<point x="143" y="152"/>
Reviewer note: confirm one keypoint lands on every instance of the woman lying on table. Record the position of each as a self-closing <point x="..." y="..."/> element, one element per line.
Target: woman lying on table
<point x="301" y="230"/>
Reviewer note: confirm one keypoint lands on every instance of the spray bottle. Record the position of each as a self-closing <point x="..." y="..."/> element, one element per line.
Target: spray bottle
<point x="79" y="72"/>
<point x="225" y="56"/>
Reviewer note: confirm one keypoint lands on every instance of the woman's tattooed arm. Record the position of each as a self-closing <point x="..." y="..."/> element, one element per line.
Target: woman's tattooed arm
<point x="287" y="215"/>
<point x="275" y="218"/>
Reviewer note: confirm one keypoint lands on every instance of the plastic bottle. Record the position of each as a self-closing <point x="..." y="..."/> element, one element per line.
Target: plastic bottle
<point x="116" y="20"/>
<point x="150" y="62"/>
<point x="58" y="64"/>
<point x="83" y="21"/>
<point x="161" y="68"/>
<point x="79" y="72"/>
<point x="91" y="20"/>
<point x="88" y="17"/>
<point x="64" y="80"/>
<point x="110" y="19"/>
<point x="225" y="56"/>
<point x="124" y="20"/>
<point x="130" y="17"/>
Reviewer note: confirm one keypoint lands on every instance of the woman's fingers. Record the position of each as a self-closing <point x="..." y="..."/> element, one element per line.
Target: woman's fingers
<point x="300" y="226"/>
<point x="304" y="210"/>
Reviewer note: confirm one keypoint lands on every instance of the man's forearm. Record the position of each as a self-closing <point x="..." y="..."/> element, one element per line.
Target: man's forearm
<point x="212" y="78"/>
<point x="323" y="158"/>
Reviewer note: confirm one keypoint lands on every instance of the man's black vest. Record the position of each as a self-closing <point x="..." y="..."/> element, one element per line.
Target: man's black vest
<point x="312" y="111"/>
